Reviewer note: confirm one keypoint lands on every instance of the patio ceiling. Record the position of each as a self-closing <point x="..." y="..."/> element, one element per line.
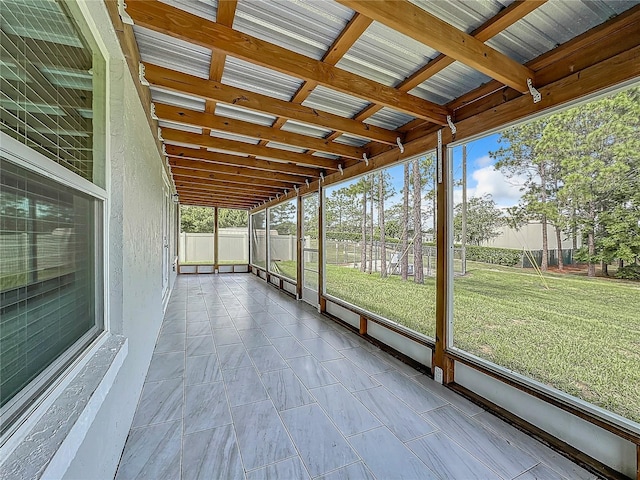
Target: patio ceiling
<point x="258" y="99"/>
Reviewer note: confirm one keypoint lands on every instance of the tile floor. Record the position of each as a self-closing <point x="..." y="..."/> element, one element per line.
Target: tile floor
<point x="247" y="383"/>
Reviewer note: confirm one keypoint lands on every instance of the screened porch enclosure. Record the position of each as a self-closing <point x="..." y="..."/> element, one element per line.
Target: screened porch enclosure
<point x="320" y="239"/>
<point x="427" y="194"/>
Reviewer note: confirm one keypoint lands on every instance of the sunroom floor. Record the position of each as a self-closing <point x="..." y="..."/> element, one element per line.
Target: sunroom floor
<point x="245" y="382"/>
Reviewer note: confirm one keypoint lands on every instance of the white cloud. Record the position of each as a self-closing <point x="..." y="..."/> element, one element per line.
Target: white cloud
<point x="484" y="161"/>
<point x="488" y="181"/>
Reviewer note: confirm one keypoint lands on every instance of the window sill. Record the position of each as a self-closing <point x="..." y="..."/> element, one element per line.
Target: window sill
<point x="50" y="445"/>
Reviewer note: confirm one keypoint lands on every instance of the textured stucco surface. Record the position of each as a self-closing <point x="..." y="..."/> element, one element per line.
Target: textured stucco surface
<point x="47" y="439"/>
<point x="135" y="276"/>
<point x="79" y="436"/>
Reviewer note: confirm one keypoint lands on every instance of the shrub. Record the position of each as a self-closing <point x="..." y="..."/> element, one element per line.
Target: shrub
<point x="499" y="256"/>
<point x="629" y="272"/>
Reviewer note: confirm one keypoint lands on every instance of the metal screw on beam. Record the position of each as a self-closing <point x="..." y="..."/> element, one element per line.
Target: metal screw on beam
<point x="366" y="160"/>
<point x="400" y="146"/>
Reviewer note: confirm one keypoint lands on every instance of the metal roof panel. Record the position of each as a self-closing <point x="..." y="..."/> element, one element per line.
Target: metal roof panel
<point x="334" y="102"/>
<point x="248" y="76"/>
<point x="173" y="53"/>
<point x="305" y="27"/>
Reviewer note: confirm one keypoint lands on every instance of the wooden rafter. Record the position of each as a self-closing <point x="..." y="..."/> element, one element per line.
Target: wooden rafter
<point x="234" y="170"/>
<point x="406" y="18"/>
<point x="349" y="35"/>
<point x="225" y="198"/>
<point x="223" y="177"/>
<point x="247" y="129"/>
<point x="276" y="154"/>
<point x="208" y="89"/>
<point x="191" y="28"/>
<point x="225" y="159"/>
<point x="222" y="185"/>
<point x="505" y="18"/>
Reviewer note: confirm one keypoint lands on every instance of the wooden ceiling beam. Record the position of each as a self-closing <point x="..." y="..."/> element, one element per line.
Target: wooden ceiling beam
<point x="202" y="183"/>
<point x="185" y="26"/>
<point x="349" y="35"/>
<point x="204" y="202"/>
<point x="496" y="24"/>
<point x="224" y="177"/>
<point x="214" y="196"/>
<point x="276" y="154"/>
<point x="196" y="191"/>
<point x="208" y="89"/>
<point x="240" y="127"/>
<point x="430" y="30"/>
<point x="234" y="170"/>
<point x="226" y="159"/>
<point x="207" y="185"/>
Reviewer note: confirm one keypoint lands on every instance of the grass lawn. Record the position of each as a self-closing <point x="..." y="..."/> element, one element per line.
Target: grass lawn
<point x="579" y="335"/>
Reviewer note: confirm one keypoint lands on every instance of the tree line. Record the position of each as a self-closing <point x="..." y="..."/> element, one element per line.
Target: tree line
<point x="351" y="213"/>
<point x="580" y="174"/>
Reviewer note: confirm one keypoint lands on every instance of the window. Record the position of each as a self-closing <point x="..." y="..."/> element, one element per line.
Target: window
<point x="380" y="253"/>
<point x="552" y="239"/>
<point x="51" y="242"/>
<point x="197" y="231"/>
<point x="233" y="236"/>
<point x="283" y="253"/>
<point x="259" y="239"/>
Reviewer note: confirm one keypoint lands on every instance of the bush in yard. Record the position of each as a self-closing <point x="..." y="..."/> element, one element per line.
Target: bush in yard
<point x="629" y="272"/>
<point x="498" y="256"/>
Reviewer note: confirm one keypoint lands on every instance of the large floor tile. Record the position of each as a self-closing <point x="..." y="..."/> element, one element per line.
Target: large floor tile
<point x="388" y="458"/>
<point x="322" y="448"/>
<point x="165" y="366"/>
<point x="458" y="401"/>
<point x="267" y="358"/>
<point x="366" y="360"/>
<point x="244" y="386"/>
<point x="355" y="471"/>
<point x="350" y="375"/>
<point x="300" y="331"/>
<point x="311" y="372"/>
<point x="289" y="347"/>
<point x="202" y="345"/>
<point x="203" y="369"/>
<point x="403" y="421"/>
<point x="274" y="330"/>
<point x="205" y="407"/>
<point x="321" y="349"/>
<point x="226" y="336"/>
<point x="159" y="402"/>
<point x="152" y="452"/>
<point x="170" y="342"/>
<point x="415" y="395"/>
<point x="285" y="390"/>
<point x="437" y="451"/>
<point x="289" y="469"/>
<point x="346" y="411"/>
<point x="530" y="445"/>
<point x="195" y="329"/>
<point x="233" y="356"/>
<point x="253" y="338"/>
<point x="261" y="436"/>
<point x="211" y="454"/>
<point x="492" y="450"/>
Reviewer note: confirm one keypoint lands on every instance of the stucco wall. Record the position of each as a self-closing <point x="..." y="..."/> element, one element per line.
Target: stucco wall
<point x="135" y="187"/>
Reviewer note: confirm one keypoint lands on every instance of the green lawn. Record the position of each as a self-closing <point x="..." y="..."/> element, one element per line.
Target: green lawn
<point x="579" y="335"/>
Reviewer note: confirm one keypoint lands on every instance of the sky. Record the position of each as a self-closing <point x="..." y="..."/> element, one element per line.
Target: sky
<point x="482" y="177"/>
